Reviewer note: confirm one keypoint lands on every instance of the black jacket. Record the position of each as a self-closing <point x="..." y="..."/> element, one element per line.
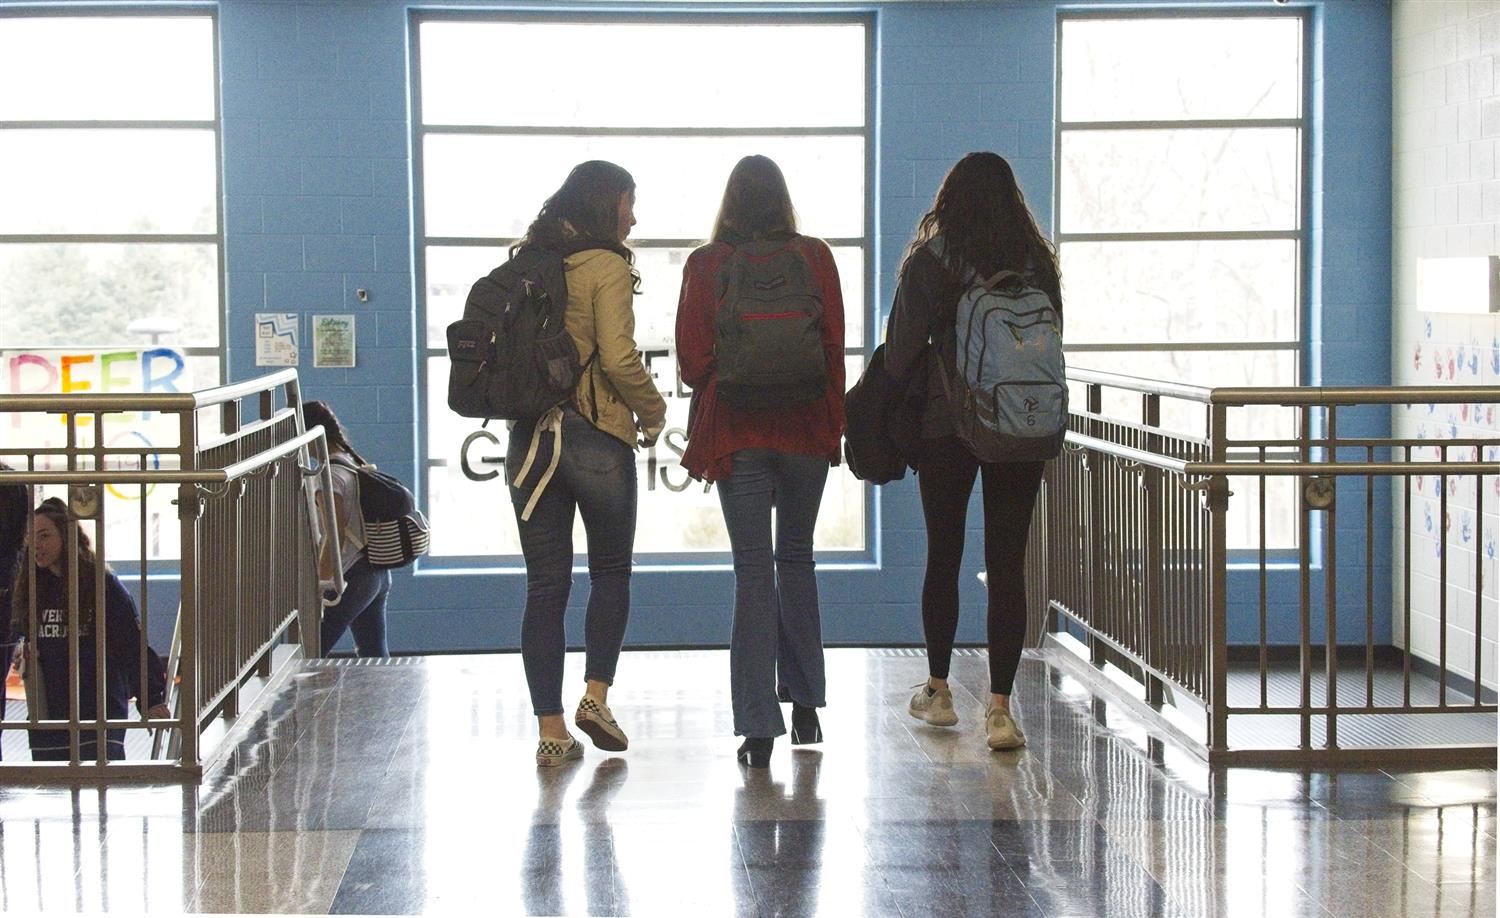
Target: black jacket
<point x="882" y="417"/>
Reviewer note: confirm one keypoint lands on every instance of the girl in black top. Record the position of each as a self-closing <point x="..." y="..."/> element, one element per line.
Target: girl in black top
<point x="47" y="649"/>
<point x="979" y="222"/>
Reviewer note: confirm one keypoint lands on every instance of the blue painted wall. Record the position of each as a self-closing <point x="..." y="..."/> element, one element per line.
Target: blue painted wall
<point x="317" y="203"/>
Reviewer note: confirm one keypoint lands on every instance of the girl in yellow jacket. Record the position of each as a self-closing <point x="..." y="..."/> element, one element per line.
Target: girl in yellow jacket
<point x="595" y="473"/>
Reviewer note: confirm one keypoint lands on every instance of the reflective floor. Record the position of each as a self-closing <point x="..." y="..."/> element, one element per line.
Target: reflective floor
<point x="409" y="787"/>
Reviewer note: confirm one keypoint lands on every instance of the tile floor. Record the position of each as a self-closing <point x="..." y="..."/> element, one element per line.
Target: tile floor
<point x="409" y="787"/>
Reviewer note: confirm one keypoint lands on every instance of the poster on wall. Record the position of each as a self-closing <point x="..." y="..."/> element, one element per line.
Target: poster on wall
<point x="333" y="341"/>
<point x="276" y="339"/>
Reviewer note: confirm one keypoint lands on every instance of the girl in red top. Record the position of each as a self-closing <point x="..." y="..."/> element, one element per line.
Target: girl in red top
<point x="764" y="458"/>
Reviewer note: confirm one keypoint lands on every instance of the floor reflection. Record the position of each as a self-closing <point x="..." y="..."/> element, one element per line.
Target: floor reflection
<point x="549" y="875"/>
<point x="411" y="789"/>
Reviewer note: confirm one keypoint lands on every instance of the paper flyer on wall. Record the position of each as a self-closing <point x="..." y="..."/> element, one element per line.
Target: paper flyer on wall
<point x="333" y="341"/>
<point x="276" y="339"/>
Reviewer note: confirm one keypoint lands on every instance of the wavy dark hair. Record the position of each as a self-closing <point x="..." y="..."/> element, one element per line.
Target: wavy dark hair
<point x="318" y="414"/>
<point x="56" y="511"/>
<point x="756" y="203"/>
<point x="985" y="224"/>
<point x="589" y="203"/>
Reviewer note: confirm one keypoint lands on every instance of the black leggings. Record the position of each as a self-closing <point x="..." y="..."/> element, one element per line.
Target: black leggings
<point x="946" y="478"/>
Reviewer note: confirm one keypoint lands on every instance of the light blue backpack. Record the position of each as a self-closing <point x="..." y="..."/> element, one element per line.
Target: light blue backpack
<point x="1009" y="388"/>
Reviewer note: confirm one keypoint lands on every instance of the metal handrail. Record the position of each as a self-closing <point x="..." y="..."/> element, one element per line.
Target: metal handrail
<point x="154" y="476"/>
<point x="1134" y="555"/>
<point x="1321" y="396"/>
<point x="1362" y="469"/>
<point x="234" y="606"/>
<point x="113" y="402"/>
<point x="1142" y="385"/>
<point x="1155" y="460"/>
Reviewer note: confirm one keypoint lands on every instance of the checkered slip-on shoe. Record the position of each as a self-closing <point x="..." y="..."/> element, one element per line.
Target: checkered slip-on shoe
<point x="594" y="718"/>
<point x="551" y="752"/>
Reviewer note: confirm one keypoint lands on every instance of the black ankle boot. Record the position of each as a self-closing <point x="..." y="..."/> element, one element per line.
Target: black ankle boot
<point x="805" y="727"/>
<point x="755" y="751"/>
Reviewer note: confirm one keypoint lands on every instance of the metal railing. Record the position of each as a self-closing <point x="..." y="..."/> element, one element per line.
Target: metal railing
<point x="1257" y="574"/>
<point x="228" y="478"/>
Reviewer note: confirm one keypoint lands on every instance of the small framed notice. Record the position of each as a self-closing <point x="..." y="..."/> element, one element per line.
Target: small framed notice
<point x="276" y="339"/>
<point x="333" y="341"/>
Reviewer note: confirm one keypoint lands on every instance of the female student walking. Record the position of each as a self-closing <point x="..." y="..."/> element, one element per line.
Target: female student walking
<point x="978" y="224"/>
<point x="361" y="608"/>
<point x="595" y="476"/>
<point x="760" y="298"/>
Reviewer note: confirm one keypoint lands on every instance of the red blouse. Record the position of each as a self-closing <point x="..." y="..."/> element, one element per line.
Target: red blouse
<point x="717" y="431"/>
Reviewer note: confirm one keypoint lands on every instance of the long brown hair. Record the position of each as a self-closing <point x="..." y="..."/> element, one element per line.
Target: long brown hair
<point x="588" y="204"/>
<point x="756" y="203"/>
<point x="319" y="414"/>
<point x="985" y="224"/>
<point x="58" y="513"/>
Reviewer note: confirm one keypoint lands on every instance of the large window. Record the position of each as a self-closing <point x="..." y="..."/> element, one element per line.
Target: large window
<point x="497" y="132"/>
<point x="110" y="235"/>
<point x="1180" y="207"/>
<point x="109" y="226"/>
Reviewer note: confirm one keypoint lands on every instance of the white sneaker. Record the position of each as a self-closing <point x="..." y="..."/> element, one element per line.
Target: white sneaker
<point x="934" y="706"/>
<point x="1002" y="731"/>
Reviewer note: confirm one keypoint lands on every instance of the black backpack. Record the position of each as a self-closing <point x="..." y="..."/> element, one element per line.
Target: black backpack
<point x="396" y="532"/>
<point x="511" y="358"/>
<point x="768" y="333"/>
<point x="870" y="450"/>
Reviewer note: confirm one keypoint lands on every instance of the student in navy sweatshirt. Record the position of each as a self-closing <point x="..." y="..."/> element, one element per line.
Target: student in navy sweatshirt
<point x="47" y="648"/>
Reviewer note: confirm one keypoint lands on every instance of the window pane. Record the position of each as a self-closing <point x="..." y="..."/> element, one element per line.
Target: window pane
<point x="107" y="67"/>
<point x="1115" y="292"/>
<point x="451" y="271"/>
<point x="88" y="294"/>
<point x="107" y="181"/>
<point x="1179" y="180"/>
<point x="471" y="71"/>
<point x="1164" y="68"/>
<point x="679" y="180"/>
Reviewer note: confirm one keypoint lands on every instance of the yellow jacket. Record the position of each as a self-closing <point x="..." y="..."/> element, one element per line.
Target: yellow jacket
<point x="601" y="316"/>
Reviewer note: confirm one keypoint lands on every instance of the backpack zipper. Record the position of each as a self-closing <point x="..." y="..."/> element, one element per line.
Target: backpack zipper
<point x="756" y="316"/>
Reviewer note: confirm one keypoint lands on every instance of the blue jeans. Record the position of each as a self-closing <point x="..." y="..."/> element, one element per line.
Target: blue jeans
<point x="361" y="609"/>
<point x="595" y="475"/>
<point x="777" y="642"/>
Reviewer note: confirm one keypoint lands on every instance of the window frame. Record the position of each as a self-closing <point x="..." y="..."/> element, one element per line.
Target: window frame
<point x="214" y="124"/>
<point x="1303" y="236"/>
<point x="425" y="350"/>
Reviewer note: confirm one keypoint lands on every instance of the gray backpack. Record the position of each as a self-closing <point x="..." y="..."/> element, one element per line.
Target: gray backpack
<point x="1009" y="387"/>
<point x="768" y="334"/>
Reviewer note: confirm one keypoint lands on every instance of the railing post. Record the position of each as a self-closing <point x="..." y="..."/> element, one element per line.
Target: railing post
<point x="1330" y="590"/>
<point x="1154" y="540"/>
<point x="1098" y="550"/>
<point x="1216" y="502"/>
<point x="189" y="516"/>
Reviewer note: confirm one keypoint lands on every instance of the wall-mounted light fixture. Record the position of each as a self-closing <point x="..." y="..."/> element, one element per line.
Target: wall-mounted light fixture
<point x="1468" y="284"/>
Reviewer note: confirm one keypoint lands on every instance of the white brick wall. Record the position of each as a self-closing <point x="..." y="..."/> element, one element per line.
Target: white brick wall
<point x="1446" y="137"/>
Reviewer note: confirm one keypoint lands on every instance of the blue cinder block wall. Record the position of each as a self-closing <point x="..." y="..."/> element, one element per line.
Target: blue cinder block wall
<point x="317" y="204"/>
